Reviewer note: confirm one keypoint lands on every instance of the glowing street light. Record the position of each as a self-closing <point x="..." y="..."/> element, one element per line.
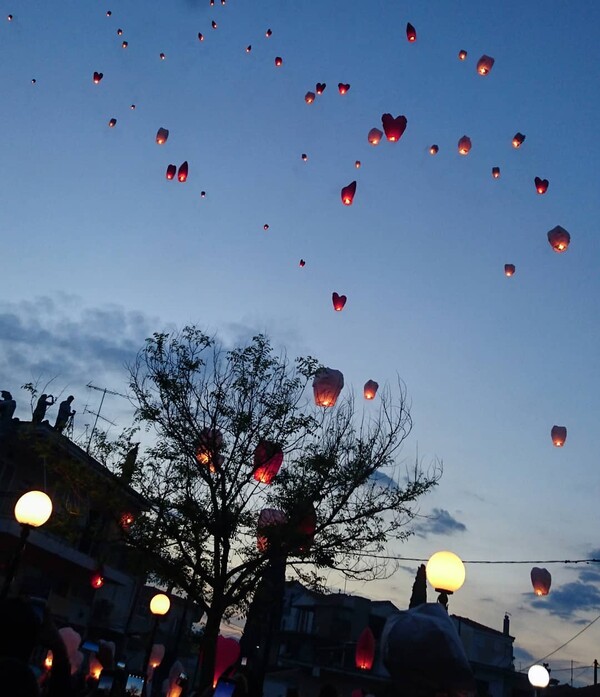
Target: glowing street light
<point x="446" y="573"/>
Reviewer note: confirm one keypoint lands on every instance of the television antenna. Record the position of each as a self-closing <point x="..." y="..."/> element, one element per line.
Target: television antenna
<point x="104" y="391"/>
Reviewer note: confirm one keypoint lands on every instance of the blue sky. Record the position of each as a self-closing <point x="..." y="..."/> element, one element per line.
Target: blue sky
<point x="99" y="250"/>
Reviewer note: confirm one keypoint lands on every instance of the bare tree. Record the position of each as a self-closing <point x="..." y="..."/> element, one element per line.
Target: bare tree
<point x="209" y="409"/>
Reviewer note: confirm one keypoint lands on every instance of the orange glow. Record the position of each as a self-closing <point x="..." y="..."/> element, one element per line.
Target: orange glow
<point x="320" y="87"/>
<point x="365" y="650"/>
<point x="348" y="193"/>
<point x="464" y="145"/>
<point x="541" y="185"/>
<point x="309" y="97"/>
<point x="268" y="458"/>
<point x="509" y="269"/>
<point x="343" y="88"/>
<point x="518" y="139"/>
<point x="268" y="33"/>
<point x="357" y="164"/>
<point x="496" y="172"/>
<point x="182" y="175"/>
<point x="97" y="579"/>
<point x="48" y="660"/>
<point x="433" y="150"/>
<point x="200" y="37"/>
<point x="126" y="520"/>
<point x="484" y="64"/>
<point x="112" y="123"/>
<point x="162" y="135"/>
<point x="97" y="77"/>
<point x="462" y="55"/>
<point x="278" y="61"/>
<point x="541" y="581"/>
<point x="327" y="385"/>
<point x="338" y="301"/>
<point x="393" y="127"/>
<point x="171" y="170"/>
<point x="95" y="667"/>
<point x="374" y="136"/>
<point x="411" y="32"/>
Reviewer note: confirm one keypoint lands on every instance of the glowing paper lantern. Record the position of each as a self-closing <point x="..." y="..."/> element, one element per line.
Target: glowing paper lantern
<point x="338" y="301"/>
<point x="162" y="56"/>
<point x="365" y="650"/>
<point x="213" y="24"/>
<point x="509" y="269"/>
<point x="209" y="444"/>
<point x="248" y="48"/>
<point x="97" y="578"/>
<point x="112" y="123"/>
<point x="95" y="667"/>
<point x="97" y="77"/>
<point x="268" y="518"/>
<point x="108" y="13"/>
<point x="200" y="37"/>
<point x="304" y="157"/>
<point x="202" y="194"/>
<point x="265" y="227"/>
<point x="320" y="87"/>
<point x="496" y="172"/>
<point x="541" y="185"/>
<point x="309" y="97"/>
<point x="393" y="127"/>
<point x="370" y="389"/>
<point x="433" y="150"/>
<point x="119" y="32"/>
<point x="411" y="32"/>
<point x="464" y="145"/>
<point x="462" y="55"/>
<point x="357" y="164"/>
<point x="125" y="44"/>
<point x="305" y="527"/>
<point x="182" y="174"/>
<point x="327" y="385"/>
<point x="126" y="520"/>
<point x="268" y="33"/>
<point x="559" y="435"/>
<point x="171" y="170"/>
<point x="268" y="457"/>
<point x="343" y="87"/>
<point x="302" y="263"/>
<point x="227" y="653"/>
<point x="517" y="140"/>
<point x="162" y="135"/>
<point x="278" y="61"/>
<point x="375" y="136"/>
<point x="484" y="64"/>
<point x="348" y="193"/>
<point x="541" y="581"/>
<point x="156" y="655"/>
<point x="559" y="239"/>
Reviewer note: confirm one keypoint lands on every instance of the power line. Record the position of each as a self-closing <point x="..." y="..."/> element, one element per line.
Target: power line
<point x="485" y="561"/>
<point x="562" y="646"/>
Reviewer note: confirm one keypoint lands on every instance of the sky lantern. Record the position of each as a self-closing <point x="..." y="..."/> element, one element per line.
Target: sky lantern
<point x="125" y="44"/>
<point x="434" y="149"/>
<point x="162" y="56"/>
<point x="304" y="527"/>
<point x="132" y="107"/>
<point x="484" y="64"/>
<point x="182" y="174"/>
<point x="462" y="55"/>
<point x="541" y="185"/>
<point x="171" y="170"/>
<point x="278" y="61"/>
<point x="464" y="145"/>
<point x="97" y="77"/>
<point x="558" y="435"/>
<point x="301" y="263"/>
<point x="126" y="520"/>
<point x="33" y="81"/>
<point x="112" y="123"/>
<point x="365" y="650"/>
<point x="268" y="33"/>
<point x="496" y="172"/>
<point x="304" y="157"/>
<point x="268" y="517"/>
<point x="161" y="136"/>
<point x="357" y="164"/>
<point x="343" y="87"/>
<point x="393" y="127"/>
<point x="202" y="194"/>
<point x="213" y="24"/>
<point x="226" y="654"/>
<point x="119" y="32"/>
<point x="209" y="443"/>
<point x="108" y="13"/>
<point x="348" y="193"/>
<point x="320" y="87"/>
<point x="248" y="48"/>
<point x="338" y="301"/>
<point x="370" y="389"/>
<point x="541" y="580"/>
<point x="157" y="654"/>
<point x="509" y="269"/>
<point x="265" y="227"/>
<point x="517" y="140"/>
<point x="200" y="36"/>
<point x="375" y="136"/>
<point x="327" y="385"/>
<point x="411" y="33"/>
<point x="559" y="239"/>
<point x="268" y="457"/>
<point x="309" y="97"/>
<point x="97" y="578"/>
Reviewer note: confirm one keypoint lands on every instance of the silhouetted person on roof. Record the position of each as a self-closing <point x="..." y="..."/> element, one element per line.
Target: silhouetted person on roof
<point x="64" y="414"/>
<point x="45" y="401"/>
<point x="7" y="409"/>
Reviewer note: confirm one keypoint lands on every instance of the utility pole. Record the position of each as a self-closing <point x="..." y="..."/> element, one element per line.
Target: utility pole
<point x="595" y="671"/>
<point x="104" y="391"/>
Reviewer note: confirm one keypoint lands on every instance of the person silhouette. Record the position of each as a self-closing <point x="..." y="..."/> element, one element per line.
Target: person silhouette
<point x="43" y="403"/>
<point x="64" y="414"/>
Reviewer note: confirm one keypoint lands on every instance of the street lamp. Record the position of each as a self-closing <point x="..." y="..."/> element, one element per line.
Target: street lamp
<point x="446" y="573"/>
<point x="32" y="510"/>
<point x="539" y="677"/>
<point x="159" y="606"/>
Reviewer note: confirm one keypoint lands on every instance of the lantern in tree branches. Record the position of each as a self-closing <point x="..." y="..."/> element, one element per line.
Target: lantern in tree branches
<point x="411" y="32"/>
<point x="226" y="654"/>
<point x="343" y="87"/>
<point x="309" y="97"/>
<point x="393" y="127"/>
<point x="348" y="193"/>
<point x="338" y="301"/>
<point x="374" y="136"/>
<point x="559" y="239"/>
<point x="182" y="174"/>
<point x="484" y="64"/>
<point x="509" y="269"/>
<point x="559" y="435"/>
<point x="161" y="136"/>
<point x="303" y="527"/>
<point x="327" y="385"/>
<point x="97" y="578"/>
<point x="464" y="145"/>
<point x="517" y="140"/>
<point x="268" y="457"/>
<point x="541" y="185"/>
<point x="126" y="520"/>
<point x="269" y="520"/>
<point x="365" y="650"/>
<point x="370" y="389"/>
<point x="496" y="172"/>
<point x="171" y="170"/>
<point x="541" y="580"/>
<point x="207" y="450"/>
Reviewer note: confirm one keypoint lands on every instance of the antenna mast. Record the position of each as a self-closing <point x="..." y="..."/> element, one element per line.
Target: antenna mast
<point x="104" y="391"/>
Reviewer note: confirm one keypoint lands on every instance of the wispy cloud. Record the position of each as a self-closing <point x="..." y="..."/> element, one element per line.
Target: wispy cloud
<point x="439" y="522"/>
<point x="570" y="599"/>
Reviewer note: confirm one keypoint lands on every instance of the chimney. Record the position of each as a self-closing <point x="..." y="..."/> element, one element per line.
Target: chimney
<point x="506" y="626"/>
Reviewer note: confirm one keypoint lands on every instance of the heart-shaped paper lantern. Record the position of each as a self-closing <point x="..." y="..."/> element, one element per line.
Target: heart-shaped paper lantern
<point x="541" y="185"/>
<point x="97" y="77"/>
<point x="343" y="87"/>
<point x="320" y="88"/>
<point x="338" y="301"/>
<point x="393" y="127"/>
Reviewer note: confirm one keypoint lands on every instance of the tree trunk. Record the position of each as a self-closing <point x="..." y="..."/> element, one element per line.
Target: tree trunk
<point x="209" y="645"/>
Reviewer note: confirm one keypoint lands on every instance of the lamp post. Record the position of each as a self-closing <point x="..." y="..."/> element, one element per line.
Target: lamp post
<point x="32" y="510"/>
<point x="539" y="677"/>
<point x="446" y="573"/>
<point x="159" y="606"/>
